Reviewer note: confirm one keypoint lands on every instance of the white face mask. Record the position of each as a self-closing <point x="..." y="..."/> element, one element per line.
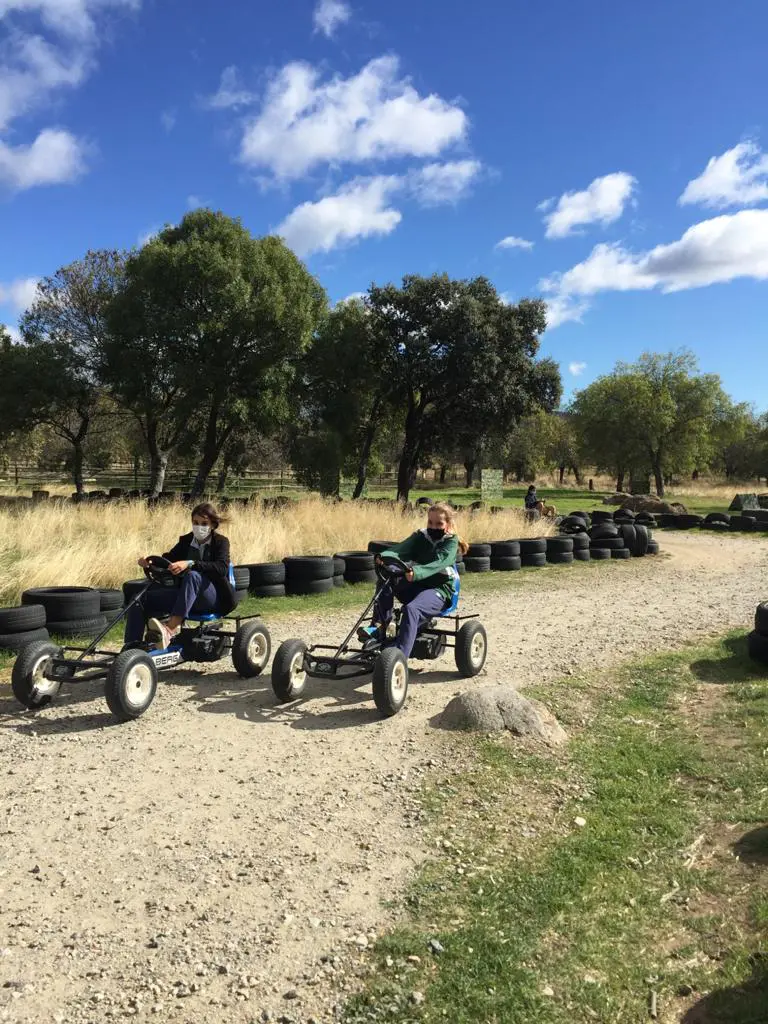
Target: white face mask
<point x="201" y="532"/>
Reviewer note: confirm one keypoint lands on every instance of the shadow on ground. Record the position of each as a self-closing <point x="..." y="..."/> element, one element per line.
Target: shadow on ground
<point x="735" y="666"/>
<point x="741" y="1004"/>
<point x="752" y="848"/>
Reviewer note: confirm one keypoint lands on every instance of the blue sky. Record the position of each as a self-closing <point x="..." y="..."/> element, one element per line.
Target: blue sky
<point x="621" y="150"/>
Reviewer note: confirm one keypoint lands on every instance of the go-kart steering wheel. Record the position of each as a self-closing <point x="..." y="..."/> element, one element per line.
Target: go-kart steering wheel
<point x="392" y="568"/>
<point x="158" y="572"/>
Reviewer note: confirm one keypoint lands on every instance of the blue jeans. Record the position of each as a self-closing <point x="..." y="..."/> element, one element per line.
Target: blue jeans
<point x="195" y="593"/>
<point x="419" y="604"/>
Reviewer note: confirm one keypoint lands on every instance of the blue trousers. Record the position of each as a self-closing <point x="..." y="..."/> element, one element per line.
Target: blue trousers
<point x="419" y="604"/>
<point x="195" y="593"/>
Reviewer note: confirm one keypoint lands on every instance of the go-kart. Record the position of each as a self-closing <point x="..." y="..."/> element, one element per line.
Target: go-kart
<point x="130" y="676"/>
<point x="294" y="661"/>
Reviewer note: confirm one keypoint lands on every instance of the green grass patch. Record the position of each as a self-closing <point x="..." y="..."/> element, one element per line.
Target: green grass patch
<point x="546" y="920"/>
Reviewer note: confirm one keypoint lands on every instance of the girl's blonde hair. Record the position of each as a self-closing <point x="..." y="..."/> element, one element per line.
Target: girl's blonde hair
<point x="450" y="517"/>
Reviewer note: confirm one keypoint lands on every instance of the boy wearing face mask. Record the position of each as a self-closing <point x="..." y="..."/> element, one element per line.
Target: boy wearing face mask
<point x="428" y="587"/>
<point x="201" y="560"/>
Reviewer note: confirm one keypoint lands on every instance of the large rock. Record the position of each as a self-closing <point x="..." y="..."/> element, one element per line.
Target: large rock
<point x="496" y="708"/>
<point x="650" y="503"/>
<point x="616" y="499"/>
<point x="742" y="502"/>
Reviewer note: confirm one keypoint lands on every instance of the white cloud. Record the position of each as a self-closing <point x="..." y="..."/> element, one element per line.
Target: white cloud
<point x="34" y="68"/>
<point x="194" y="202"/>
<point x="564" y="308"/>
<point x="358" y="210"/>
<point x="713" y="251"/>
<point x="435" y="184"/>
<point x="55" y="157"/>
<point x="148" y="235"/>
<point x="576" y="369"/>
<point x="168" y="120"/>
<point x="329" y="14"/>
<point x="231" y="94"/>
<point x="513" y="242"/>
<point x="371" y="116"/>
<point x="738" y="177"/>
<point x="602" y="202"/>
<point x="18" y="294"/>
<point x="352" y="297"/>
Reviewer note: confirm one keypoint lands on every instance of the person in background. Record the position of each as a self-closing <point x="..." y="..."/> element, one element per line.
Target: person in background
<point x="201" y="561"/>
<point x="533" y="507"/>
<point x="428" y="588"/>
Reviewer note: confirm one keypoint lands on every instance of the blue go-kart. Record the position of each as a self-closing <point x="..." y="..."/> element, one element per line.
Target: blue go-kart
<point x="130" y="676"/>
<point x="294" y="661"/>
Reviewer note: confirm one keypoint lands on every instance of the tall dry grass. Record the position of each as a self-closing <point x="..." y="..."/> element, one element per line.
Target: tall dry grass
<point x="97" y="545"/>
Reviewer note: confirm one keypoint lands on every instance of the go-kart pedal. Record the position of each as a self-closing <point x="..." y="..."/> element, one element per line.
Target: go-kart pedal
<point x="367" y="633"/>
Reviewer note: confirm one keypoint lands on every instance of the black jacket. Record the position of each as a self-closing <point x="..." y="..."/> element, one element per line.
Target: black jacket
<point x="216" y="566"/>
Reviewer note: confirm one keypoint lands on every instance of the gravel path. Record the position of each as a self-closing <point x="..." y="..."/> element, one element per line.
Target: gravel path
<point x="224" y="859"/>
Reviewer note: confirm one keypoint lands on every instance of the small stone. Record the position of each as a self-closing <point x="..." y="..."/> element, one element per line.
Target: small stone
<point x="436" y="947"/>
<point x="417" y="998"/>
<point x="547" y="990"/>
<point x="361" y="941"/>
<point x="413" y="959"/>
<point x="581" y="822"/>
<point x="685" y="990"/>
<point x="291" y="994"/>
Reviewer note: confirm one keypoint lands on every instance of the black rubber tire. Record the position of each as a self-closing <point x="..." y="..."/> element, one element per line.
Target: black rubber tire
<point x="558" y="545"/>
<point x="377" y="546"/>
<point x="63" y="603"/>
<point x="78" y="627"/>
<point x="667" y="520"/>
<point x="580" y="515"/>
<point x="580" y="542"/>
<point x="14" y="642"/>
<point x="601" y="515"/>
<point x="505" y="549"/>
<point x="22" y="619"/>
<point x="718" y="517"/>
<point x="113" y="615"/>
<point x="603" y="531"/>
<point x="268" y="590"/>
<point x="287" y="682"/>
<point x="242" y="577"/>
<point x="266" y="574"/>
<point x="360" y="577"/>
<point x="110" y="600"/>
<point x="575" y="523"/>
<point x="461" y="568"/>
<point x="355" y="561"/>
<point x="299" y="588"/>
<point x="339" y="565"/>
<point x="479" y="551"/>
<point x="23" y="683"/>
<point x="582" y="555"/>
<point x="653" y="547"/>
<point x="131" y="588"/>
<point x="535" y="559"/>
<point x="240" y="596"/>
<point x="621" y="553"/>
<point x="645" y="519"/>
<point x="308" y="569"/>
<point x="748" y="524"/>
<point x="611" y="543"/>
<point x="124" y="698"/>
<point x="560" y="557"/>
<point x="599" y="554"/>
<point x="533" y="546"/>
<point x="477" y="563"/>
<point x="471" y="649"/>
<point x="642" y="539"/>
<point x="425" y="501"/>
<point x="628" y="533"/>
<point x="338" y="580"/>
<point x="251" y="647"/>
<point x="390" y="681"/>
<point x="506" y="563"/>
<point x="761" y="618"/>
<point x="625" y="515"/>
<point x="757" y="647"/>
<point x="689" y="522"/>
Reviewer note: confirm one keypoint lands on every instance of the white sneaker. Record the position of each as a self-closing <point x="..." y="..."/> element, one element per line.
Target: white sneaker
<point x="165" y="634"/>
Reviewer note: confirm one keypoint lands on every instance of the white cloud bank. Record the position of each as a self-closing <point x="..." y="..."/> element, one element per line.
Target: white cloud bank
<point x="738" y="177"/>
<point x="18" y="294"/>
<point x="329" y="14"/>
<point x="513" y="242"/>
<point x="602" y="202"/>
<point x="711" y="252"/>
<point x="34" y="67"/>
<point x="576" y="369"/>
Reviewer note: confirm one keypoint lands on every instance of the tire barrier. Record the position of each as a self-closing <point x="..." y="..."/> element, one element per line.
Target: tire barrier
<point x="69" y="611"/>
<point x="308" y="574"/>
<point x="20" y="626"/>
<point x="757" y="640"/>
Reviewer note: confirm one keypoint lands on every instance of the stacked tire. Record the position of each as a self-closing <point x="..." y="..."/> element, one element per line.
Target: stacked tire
<point x="533" y="552"/>
<point x="308" y="574"/>
<point x="581" y="547"/>
<point x="20" y="626"/>
<point x="757" y="640"/>
<point x="357" y="566"/>
<point x="478" y="558"/>
<point x="559" y="550"/>
<point x="339" y="566"/>
<point x="69" y="611"/>
<point x="110" y="604"/>
<point x="242" y="581"/>
<point x="266" y="579"/>
<point x="505" y="555"/>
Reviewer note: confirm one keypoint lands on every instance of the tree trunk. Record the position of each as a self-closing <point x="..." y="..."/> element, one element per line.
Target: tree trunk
<point x="365" y="451"/>
<point x="562" y="475"/>
<point x="620" y="480"/>
<point x="576" y="475"/>
<point x="443" y="471"/>
<point x="78" y="459"/>
<point x="158" y="460"/>
<point x="212" y="445"/>
<point x="469" y="469"/>
<point x="409" y="454"/>
<point x="221" y="479"/>
<point x="658" y="477"/>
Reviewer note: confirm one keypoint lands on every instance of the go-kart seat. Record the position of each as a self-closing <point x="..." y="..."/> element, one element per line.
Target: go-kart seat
<point x="454" y="600"/>
<point x="212" y="616"/>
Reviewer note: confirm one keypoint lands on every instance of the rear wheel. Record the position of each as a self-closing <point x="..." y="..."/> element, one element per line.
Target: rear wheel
<point x="289" y="679"/>
<point x="251" y="648"/>
<point x="29" y="681"/>
<point x="471" y="649"/>
<point x="131" y="684"/>
<point x="390" y="681"/>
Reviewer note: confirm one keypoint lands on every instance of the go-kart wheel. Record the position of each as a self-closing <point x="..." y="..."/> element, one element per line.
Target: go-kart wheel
<point x="29" y="683"/>
<point x="289" y="678"/>
<point x="390" y="681"/>
<point x="471" y="649"/>
<point x="131" y="684"/>
<point x="251" y="648"/>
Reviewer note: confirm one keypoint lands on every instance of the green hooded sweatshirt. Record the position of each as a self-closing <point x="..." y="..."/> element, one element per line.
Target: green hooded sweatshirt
<point x="430" y="558"/>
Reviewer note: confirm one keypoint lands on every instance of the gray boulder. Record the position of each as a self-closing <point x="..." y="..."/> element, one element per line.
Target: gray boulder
<point x="499" y="708"/>
<point x="742" y="502"/>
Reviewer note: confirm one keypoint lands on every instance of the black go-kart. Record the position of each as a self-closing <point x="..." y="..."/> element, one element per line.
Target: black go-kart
<point x="294" y="661"/>
<point x="130" y="676"/>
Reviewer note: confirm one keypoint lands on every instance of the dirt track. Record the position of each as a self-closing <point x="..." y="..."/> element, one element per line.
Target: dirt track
<point x="223" y="857"/>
